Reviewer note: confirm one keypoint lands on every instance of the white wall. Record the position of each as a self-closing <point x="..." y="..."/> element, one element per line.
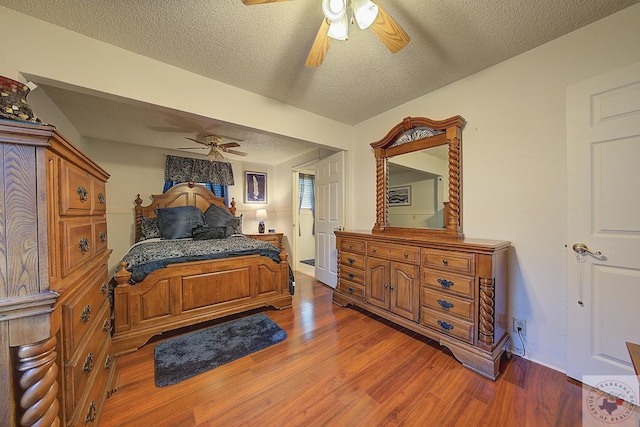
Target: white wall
<point x="513" y="144"/>
<point x="514" y="163"/>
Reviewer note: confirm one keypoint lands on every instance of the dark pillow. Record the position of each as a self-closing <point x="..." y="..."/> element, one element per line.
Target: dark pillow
<point x="208" y="233"/>
<point x="217" y="216"/>
<point x="149" y="229"/>
<point x="178" y="222"/>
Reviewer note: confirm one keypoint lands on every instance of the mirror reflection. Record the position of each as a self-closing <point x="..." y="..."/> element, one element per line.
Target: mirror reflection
<point x="418" y="188"/>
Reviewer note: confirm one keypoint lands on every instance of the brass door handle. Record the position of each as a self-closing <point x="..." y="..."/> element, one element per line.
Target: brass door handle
<point x="581" y="248"/>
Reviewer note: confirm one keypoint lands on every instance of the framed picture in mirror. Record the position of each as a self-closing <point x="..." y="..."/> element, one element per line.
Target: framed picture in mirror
<point x="400" y="195"/>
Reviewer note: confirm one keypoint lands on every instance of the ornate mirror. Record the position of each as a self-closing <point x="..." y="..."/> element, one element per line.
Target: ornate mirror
<point x="418" y="178"/>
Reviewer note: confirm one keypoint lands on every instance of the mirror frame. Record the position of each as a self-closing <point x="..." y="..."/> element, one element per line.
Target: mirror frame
<point x="385" y="149"/>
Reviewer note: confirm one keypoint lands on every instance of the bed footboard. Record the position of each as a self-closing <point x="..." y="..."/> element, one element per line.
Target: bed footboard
<point x="190" y="293"/>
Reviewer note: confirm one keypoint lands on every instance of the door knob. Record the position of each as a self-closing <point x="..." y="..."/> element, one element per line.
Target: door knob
<point x="581" y="248"/>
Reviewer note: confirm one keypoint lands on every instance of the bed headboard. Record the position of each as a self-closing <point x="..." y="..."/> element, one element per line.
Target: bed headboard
<point x="183" y="194"/>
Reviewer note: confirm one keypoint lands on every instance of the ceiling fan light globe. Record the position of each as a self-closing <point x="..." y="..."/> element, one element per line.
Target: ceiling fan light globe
<point x="339" y="30"/>
<point x="365" y="12"/>
<point x="334" y="9"/>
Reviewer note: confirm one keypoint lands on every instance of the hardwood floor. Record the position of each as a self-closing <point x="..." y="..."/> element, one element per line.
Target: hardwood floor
<point x="342" y="367"/>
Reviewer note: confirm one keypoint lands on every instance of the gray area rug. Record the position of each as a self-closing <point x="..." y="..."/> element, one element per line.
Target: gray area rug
<point x="188" y="355"/>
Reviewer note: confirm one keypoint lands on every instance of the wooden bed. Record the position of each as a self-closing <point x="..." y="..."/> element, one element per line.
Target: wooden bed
<point x="193" y="292"/>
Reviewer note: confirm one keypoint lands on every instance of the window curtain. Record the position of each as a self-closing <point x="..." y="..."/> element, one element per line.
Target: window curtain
<point x="216" y="176"/>
<point x="306" y="198"/>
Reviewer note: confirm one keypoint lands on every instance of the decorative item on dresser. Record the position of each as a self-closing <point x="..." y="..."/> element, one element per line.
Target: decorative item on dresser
<point x="184" y="293"/>
<point x="61" y="345"/>
<point x="426" y="276"/>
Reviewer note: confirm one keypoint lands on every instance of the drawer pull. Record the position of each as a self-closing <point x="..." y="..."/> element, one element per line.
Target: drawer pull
<point x="445" y="262"/>
<point x="101" y="198"/>
<point x="104" y="288"/>
<point x="406" y="255"/>
<point x="86" y="313"/>
<point x="445" y="304"/>
<point x="351" y="289"/>
<point x="88" y="363"/>
<point x="103" y="237"/>
<point x="351" y="261"/>
<point x="106" y="326"/>
<point x="92" y="413"/>
<point x="107" y="362"/>
<point x="350" y="245"/>
<point x="82" y="192"/>
<point x="374" y="250"/>
<point x="445" y="283"/>
<point x="351" y="275"/>
<point x="444" y="325"/>
<point x="83" y="244"/>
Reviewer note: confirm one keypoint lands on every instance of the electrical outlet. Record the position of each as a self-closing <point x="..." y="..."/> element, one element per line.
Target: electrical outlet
<point x="521" y="325"/>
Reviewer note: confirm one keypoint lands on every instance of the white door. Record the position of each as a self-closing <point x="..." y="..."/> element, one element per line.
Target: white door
<point x="603" y="195"/>
<point x="329" y="208"/>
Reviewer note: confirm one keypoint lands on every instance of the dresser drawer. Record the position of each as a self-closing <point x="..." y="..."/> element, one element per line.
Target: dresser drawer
<point x="351" y="288"/>
<point x="352" y="245"/>
<point x="79" y="313"/>
<point x="75" y="190"/>
<point x="99" y="195"/>
<point x="87" y="411"/>
<point x="406" y="254"/>
<point x="446" y="303"/>
<point x="89" y="361"/>
<point x="449" y="283"/>
<point x="100" y="236"/>
<point x="352" y="274"/>
<point x="447" y="324"/>
<point x="78" y="243"/>
<point x="352" y="260"/>
<point x="449" y="261"/>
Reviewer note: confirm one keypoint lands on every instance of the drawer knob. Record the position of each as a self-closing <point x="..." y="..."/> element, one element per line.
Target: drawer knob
<point x="445" y="262"/>
<point x="82" y="192"/>
<point x="445" y="304"/>
<point x="103" y="237"/>
<point x="92" y="413"/>
<point x="351" y="289"/>
<point x="104" y="288"/>
<point x="106" y="326"/>
<point x="406" y="255"/>
<point x="444" y="325"/>
<point x="88" y="363"/>
<point x="101" y="198"/>
<point x="108" y="362"/>
<point x="86" y="313"/>
<point x="83" y="244"/>
<point x="351" y="261"/>
<point x="374" y="250"/>
<point x="350" y="245"/>
<point x="351" y="275"/>
<point x="445" y="283"/>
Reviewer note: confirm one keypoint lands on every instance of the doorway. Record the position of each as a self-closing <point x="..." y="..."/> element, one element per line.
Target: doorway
<point x="304" y="213"/>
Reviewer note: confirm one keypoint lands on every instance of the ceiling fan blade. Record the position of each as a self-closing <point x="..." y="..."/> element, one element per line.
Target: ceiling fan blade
<point x="252" y="2"/>
<point x="388" y="31"/>
<point x="238" y="153"/>
<point x="191" y="148"/>
<point x="195" y="140"/>
<point x="229" y="144"/>
<point x="320" y="46"/>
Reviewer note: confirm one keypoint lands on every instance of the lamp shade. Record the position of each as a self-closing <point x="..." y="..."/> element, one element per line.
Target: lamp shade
<point x="339" y="29"/>
<point x="365" y="12"/>
<point x="334" y="9"/>
<point x="261" y="214"/>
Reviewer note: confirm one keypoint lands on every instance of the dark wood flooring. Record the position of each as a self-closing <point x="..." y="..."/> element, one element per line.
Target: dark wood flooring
<point x="343" y="367"/>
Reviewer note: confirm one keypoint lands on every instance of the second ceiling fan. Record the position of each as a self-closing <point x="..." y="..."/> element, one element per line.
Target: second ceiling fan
<point x="338" y="14"/>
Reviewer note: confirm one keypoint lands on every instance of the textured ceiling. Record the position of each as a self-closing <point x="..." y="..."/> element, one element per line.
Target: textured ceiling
<point x="263" y="48"/>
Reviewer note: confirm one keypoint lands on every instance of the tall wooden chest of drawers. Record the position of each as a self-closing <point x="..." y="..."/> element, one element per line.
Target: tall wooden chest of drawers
<point x="451" y="290"/>
<point x="78" y="257"/>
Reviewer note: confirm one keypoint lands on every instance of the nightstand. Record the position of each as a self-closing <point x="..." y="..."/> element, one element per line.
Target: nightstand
<point x="273" y="238"/>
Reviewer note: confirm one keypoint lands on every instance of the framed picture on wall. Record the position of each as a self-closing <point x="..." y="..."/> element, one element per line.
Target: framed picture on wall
<point x="255" y="187"/>
<point x="400" y="195"/>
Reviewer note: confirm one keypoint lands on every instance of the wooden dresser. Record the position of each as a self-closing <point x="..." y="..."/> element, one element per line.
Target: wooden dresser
<point x="451" y="290"/>
<point x="78" y="257"/>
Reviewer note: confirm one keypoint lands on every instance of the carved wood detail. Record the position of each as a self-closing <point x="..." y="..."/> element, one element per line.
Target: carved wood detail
<point x="487" y="311"/>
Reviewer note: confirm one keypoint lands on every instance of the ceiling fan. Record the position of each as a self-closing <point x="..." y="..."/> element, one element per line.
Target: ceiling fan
<point x="214" y="144"/>
<point x="338" y="13"/>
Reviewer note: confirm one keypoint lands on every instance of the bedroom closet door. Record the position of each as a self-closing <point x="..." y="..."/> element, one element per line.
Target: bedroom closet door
<point x="603" y="174"/>
<point x="329" y="216"/>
